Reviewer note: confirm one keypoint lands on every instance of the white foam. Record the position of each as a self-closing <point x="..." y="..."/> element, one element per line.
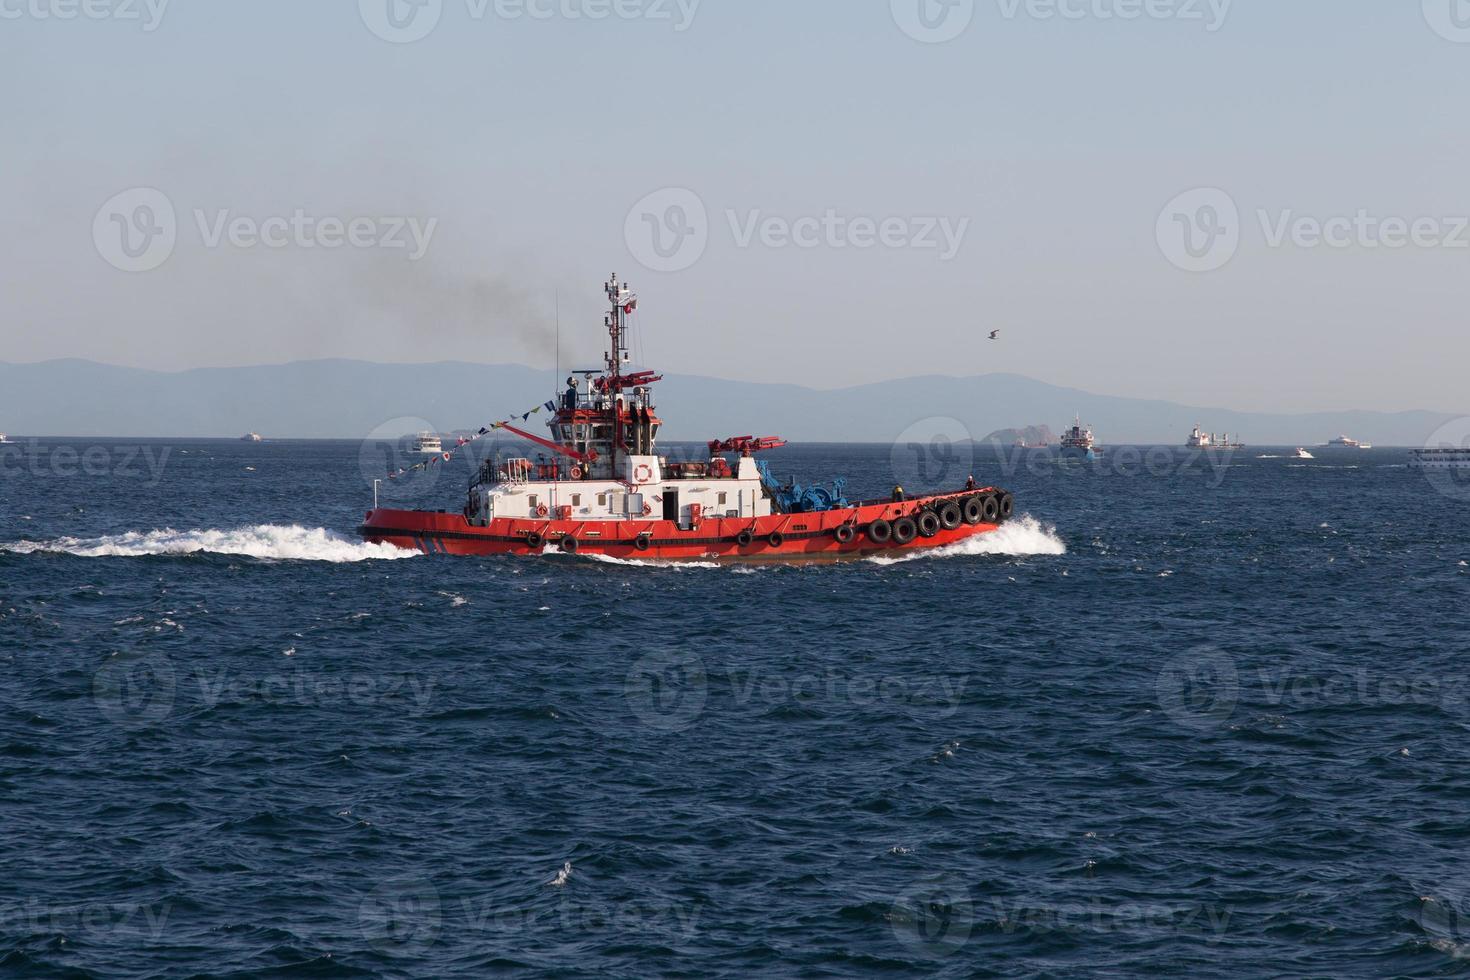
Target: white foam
<point x="267" y="541"/>
<point x="562" y="876"/>
<point x="1023" y="536"/>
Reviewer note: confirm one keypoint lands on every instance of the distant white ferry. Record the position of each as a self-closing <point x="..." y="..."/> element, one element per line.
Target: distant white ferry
<point x="1343" y="442"/>
<point x="3" y="440"/>
<point x="251" y="437"/>
<point x="428" y="444"/>
<point x="1443" y="458"/>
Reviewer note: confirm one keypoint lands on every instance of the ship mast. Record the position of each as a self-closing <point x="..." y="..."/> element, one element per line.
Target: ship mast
<point x="623" y="302"/>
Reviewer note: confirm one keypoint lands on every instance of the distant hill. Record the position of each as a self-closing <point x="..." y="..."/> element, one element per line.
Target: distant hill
<point x="349" y="399"/>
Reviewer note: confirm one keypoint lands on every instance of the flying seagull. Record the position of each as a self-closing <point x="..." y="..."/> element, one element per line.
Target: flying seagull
<point x="995" y="335"/>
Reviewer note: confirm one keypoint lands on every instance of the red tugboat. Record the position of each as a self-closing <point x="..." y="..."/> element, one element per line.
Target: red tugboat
<point x="610" y="493"/>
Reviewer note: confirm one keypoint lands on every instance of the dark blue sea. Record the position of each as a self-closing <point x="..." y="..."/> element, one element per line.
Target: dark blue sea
<point x="1186" y="715"/>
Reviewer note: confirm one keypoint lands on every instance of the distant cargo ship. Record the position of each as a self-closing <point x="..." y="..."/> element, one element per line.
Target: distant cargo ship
<point x="1343" y="442"/>
<point x="1208" y="440"/>
<point x="1078" y="443"/>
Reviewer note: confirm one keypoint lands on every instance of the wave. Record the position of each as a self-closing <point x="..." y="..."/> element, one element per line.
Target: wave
<point x="265" y="541"/>
<point x="1018" y="538"/>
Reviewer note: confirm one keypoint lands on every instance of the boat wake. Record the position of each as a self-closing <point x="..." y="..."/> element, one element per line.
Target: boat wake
<point x="265" y="541"/>
<point x="1018" y="538"/>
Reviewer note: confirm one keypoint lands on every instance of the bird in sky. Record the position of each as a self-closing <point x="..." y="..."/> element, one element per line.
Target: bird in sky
<point x="995" y="335"/>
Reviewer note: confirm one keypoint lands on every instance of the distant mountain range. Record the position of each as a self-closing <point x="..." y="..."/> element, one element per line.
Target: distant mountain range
<point x="350" y="399"/>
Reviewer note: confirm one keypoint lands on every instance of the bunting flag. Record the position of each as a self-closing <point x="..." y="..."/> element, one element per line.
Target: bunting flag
<point x="463" y="441"/>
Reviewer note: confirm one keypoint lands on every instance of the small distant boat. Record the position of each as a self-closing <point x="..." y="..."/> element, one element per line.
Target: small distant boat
<point x="1343" y="442"/>
<point x="251" y="437"/>
<point x="428" y="444"/>
<point x="1302" y="454"/>
<point x="1199" y="439"/>
<point x="3" y="440"/>
<point x="1077" y="443"/>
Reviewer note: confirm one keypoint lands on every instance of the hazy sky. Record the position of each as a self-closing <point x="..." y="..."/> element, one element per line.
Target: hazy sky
<point x="842" y="191"/>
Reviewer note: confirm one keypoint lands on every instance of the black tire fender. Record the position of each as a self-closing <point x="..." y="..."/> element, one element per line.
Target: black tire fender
<point x="744" y="539"/>
<point x="974" y="511"/>
<point x="904" y="530"/>
<point x="569" y="545"/>
<point x="929" y="524"/>
<point x="992" y="510"/>
<point x="534" y="541"/>
<point x="844" y="533"/>
<point x="1007" y="506"/>
<point x="950" y="516"/>
<point x="880" y="532"/>
<point x="776" y="539"/>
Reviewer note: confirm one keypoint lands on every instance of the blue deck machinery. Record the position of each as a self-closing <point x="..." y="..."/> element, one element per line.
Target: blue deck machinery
<point x="793" y="498"/>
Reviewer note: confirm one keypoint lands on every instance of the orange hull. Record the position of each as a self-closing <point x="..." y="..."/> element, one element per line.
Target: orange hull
<point x="852" y="532"/>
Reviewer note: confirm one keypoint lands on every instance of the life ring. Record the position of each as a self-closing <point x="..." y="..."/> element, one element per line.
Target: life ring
<point x="844" y="533"/>
<point x="991" y="508"/>
<point x="642" y="473"/>
<point x="950" y="516"/>
<point x="541" y="511"/>
<point x="904" y="530"/>
<point x="880" y="532"/>
<point x="974" y="511"/>
<point x="776" y="539"/>
<point x="744" y="539"/>
<point x="534" y="541"/>
<point x="576" y="472"/>
<point x="641" y="542"/>
<point x="929" y="524"/>
<point x="569" y="545"/>
<point x="1007" y="506"/>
